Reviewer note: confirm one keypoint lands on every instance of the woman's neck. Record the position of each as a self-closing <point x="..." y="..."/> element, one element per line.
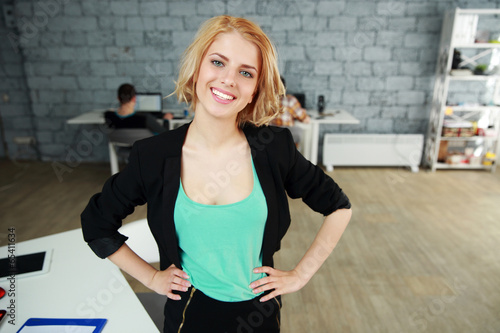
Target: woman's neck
<point x="214" y="134"/>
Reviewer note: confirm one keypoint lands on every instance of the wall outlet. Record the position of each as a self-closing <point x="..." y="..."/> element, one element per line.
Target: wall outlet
<point x="24" y="140"/>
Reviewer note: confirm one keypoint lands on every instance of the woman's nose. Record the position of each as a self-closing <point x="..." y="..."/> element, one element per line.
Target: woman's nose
<point x="228" y="78"/>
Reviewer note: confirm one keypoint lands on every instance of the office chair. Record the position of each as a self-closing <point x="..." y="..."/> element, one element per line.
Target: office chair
<point x="123" y="138"/>
<point x="301" y="97"/>
<point x="142" y="242"/>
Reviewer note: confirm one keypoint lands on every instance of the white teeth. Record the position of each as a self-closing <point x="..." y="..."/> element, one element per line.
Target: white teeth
<point x="222" y="95"/>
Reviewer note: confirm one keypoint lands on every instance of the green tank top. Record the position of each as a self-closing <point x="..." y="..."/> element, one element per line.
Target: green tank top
<point x="220" y="245"/>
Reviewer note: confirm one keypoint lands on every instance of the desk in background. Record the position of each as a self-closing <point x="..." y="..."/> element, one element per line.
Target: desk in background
<point x="311" y="131"/>
<point x="78" y="285"/>
<point x="96" y="117"/>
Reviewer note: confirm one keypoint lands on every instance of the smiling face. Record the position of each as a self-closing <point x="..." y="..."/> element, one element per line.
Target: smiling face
<point x="228" y="76"/>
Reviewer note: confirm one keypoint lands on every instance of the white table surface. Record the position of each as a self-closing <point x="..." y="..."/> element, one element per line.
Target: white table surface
<point x="78" y="285"/>
<point x="96" y="117"/>
<point x="91" y="117"/>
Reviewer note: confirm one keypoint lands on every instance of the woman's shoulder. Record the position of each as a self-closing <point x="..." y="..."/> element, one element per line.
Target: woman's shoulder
<point x="269" y="136"/>
<point x="168" y="142"/>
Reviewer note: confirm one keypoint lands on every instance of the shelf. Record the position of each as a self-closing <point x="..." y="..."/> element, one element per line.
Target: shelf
<point x="461" y="108"/>
<point x="470" y="138"/>
<point x="473" y="77"/>
<point x="459" y="30"/>
<point x="441" y="165"/>
<point x="477" y="46"/>
<point x="480" y="11"/>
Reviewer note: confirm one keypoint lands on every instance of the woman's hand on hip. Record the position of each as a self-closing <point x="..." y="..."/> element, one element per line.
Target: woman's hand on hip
<point x="281" y="282"/>
<point x="173" y="278"/>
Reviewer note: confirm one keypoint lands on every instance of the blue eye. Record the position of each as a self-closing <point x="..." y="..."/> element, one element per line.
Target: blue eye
<point x="246" y="74"/>
<point x="217" y="63"/>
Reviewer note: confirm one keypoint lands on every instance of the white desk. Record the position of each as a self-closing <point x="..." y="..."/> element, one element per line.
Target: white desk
<point x="96" y="117"/>
<point x="311" y="130"/>
<point x="78" y="285"/>
<point x="91" y="117"/>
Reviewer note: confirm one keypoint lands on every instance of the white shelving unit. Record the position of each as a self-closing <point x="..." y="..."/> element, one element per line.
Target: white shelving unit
<point x="459" y="33"/>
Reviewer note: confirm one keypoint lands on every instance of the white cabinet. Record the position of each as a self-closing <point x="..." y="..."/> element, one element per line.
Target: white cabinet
<point x="464" y="124"/>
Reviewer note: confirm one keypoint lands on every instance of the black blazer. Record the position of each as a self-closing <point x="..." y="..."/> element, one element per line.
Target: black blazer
<point x="152" y="176"/>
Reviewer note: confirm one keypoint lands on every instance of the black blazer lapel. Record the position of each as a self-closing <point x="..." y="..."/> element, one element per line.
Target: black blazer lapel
<point x="171" y="183"/>
<point x="267" y="181"/>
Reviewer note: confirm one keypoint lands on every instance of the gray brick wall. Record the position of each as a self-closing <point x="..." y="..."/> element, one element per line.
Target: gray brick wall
<point x="374" y="58"/>
<point x="16" y="113"/>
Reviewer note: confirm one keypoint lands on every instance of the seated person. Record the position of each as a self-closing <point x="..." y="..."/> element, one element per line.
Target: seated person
<point x="126" y="116"/>
<point x="291" y="111"/>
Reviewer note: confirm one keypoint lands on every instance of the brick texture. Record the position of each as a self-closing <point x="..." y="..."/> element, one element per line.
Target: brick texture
<point x="374" y="58"/>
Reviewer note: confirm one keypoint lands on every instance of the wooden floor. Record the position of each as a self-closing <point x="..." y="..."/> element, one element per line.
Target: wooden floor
<point x="421" y="254"/>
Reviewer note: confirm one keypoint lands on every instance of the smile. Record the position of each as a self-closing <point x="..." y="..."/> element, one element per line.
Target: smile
<point x="221" y="95"/>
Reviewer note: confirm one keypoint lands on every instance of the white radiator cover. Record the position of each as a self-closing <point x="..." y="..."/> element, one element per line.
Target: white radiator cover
<point x="372" y="150"/>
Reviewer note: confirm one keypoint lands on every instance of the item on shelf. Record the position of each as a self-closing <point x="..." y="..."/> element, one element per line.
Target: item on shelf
<point x="474" y="127"/>
<point x="461" y="72"/>
<point x="495" y="37"/>
<point x="475" y="160"/>
<point x="450" y="132"/>
<point x="456" y="159"/>
<point x="443" y="151"/>
<point x="490" y="132"/>
<point x="489" y="158"/>
<point x="454" y="128"/>
<point x="480" y="69"/>
<point x="457" y="59"/>
<point x="482" y="36"/>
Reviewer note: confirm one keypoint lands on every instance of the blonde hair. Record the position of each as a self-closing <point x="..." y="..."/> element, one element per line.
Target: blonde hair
<point x="265" y="104"/>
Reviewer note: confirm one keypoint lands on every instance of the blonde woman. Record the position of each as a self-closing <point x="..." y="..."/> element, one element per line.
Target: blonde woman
<point x="217" y="191"/>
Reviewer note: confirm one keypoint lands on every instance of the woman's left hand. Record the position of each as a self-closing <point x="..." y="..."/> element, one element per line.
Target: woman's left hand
<point x="281" y="282"/>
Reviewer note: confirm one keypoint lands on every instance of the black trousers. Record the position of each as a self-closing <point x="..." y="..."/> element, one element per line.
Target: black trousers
<point x="198" y="313"/>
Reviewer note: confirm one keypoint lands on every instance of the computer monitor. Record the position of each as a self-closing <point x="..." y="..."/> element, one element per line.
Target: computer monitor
<point x="149" y="102"/>
<point x="301" y="97"/>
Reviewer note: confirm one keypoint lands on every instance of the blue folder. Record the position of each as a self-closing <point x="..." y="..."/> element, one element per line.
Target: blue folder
<point x="98" y="323"/>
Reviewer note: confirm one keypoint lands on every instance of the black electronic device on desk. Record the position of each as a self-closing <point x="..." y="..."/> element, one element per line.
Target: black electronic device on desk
<point x="321" y="104"/>
<point x="24" y="265"/>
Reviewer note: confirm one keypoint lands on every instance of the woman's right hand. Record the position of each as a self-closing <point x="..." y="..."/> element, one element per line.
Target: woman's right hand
<point x="173" y="278"/>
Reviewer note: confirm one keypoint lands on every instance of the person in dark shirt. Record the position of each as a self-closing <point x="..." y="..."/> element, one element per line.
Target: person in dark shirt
<point x="127" y="117"/>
